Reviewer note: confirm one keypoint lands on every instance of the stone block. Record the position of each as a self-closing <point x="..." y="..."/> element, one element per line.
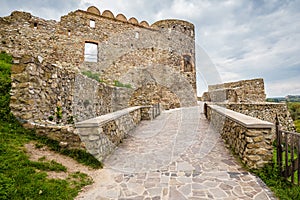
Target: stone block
<point x="93" y="137"/>
<point x="254" y="158"/>
<point x="258" y="139"/>
<point x="253" y="133"/>
<point x="253" y="146"/>
<point x="17" y="69"/>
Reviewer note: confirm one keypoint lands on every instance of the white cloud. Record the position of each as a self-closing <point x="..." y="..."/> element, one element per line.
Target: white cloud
<point x="277" y="88"/>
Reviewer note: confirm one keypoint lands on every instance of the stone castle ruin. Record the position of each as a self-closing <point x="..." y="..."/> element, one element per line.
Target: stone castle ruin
<point x="106" y="73"/>
<point x="248" y="97"/>
<point x="155" y="62"/>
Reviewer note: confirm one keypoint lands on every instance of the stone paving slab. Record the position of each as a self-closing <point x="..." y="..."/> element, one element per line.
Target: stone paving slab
<point x="176" y="156"/>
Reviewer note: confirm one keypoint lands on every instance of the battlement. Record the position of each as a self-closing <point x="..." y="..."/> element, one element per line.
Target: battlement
<point x="93" y="11"/>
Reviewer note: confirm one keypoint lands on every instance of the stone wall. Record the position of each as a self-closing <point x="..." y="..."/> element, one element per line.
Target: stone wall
<point x="92" y="99"/>
<point x="101" y="135"/>
<point x="53" y="93"/>
<point x="265" y="111"/>
<point x="250" y="138"/>
<point x="41" y="91"/>
<point x="66" y="136"/>
<point x="247" y="91"/>
<point x="123" y="45"/>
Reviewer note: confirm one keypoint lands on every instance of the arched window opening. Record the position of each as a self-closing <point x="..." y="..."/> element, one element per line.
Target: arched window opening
<point x="91" y="52"/>
<point x="35" y="24"/>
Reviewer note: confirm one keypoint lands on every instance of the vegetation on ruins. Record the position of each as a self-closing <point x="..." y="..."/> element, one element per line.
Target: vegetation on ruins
<point x="274" y="179"/>
<point x="21" y="178"/>
<point x="96" y="77"/>
<point x="92" y="75"/>
<point x="283" y="189"/>
<point x="294" y="108"/>
<point x="119" y="84"/>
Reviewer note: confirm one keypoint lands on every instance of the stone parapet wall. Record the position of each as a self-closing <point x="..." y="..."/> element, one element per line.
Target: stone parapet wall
<point x="66" y="136"/>
<point x="245" y="91"/>
<point x="265" y="111"/>
<point x="101" y="135"/>
<point x="250" y="138"/>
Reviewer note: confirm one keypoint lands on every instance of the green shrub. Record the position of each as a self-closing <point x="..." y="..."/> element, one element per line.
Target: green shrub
<point x="92" y="75"/>
<point x="21" y="178"/>
<point x="5" y="86"/>
<point x="294" y="109"/>
<point x="119" y="84"/>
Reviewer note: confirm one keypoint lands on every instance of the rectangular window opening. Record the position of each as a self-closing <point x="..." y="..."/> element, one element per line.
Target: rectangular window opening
<point x="91" y="52"/>
<point x="92" y="23"/>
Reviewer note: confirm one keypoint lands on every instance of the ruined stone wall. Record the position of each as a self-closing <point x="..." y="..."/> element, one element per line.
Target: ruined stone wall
<point x="92" y="99"/>
<point x="41" y="91"/>
<point x="52" y="92"/>
<point x="151" y="94"/>
<point x="241" y="91"/>
<point x="123" y="45"/>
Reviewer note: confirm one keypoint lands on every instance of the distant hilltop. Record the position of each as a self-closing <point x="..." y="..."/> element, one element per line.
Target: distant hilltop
<point x="295" y="98"/>
<point x="289" y="98"/>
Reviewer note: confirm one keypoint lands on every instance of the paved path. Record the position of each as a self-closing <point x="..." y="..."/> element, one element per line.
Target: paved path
<point x="175" y="156"/>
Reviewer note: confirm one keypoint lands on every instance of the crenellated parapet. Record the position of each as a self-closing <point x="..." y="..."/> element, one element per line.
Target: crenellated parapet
<point x="119" y="17"/>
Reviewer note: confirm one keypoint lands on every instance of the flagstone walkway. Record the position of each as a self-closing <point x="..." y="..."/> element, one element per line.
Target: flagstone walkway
<point x="176" y="156"/>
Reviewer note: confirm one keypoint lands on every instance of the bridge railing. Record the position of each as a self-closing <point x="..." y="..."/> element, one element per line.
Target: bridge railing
<point x="250" y="138"/>
<point x="288" y="154"/>
<point x="101" y="135"/>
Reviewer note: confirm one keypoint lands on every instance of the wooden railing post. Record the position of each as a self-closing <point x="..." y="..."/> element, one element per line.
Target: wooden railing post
<point x="298" y="156"/>
<point x="279" y="145"/>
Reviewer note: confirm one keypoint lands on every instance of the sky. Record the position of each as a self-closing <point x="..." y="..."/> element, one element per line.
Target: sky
<point x="235" y="39"/>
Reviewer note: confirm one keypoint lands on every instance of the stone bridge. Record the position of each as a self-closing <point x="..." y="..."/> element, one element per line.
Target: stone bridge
<point x="178" y="155"/>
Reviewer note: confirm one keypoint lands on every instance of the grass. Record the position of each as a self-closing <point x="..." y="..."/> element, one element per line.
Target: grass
<point x="282" y="189"/>
<point x="294" y="108"/>
<point x="271" y="176"/>
<point x="297" y="125"/>
<point x="96" y="77"/>
<point x="21" y="178"/>
<point x="92" y="75"/>
<point x="119" y="84"/>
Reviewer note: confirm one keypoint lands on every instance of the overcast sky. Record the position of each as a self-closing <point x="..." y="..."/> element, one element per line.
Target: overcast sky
<point x="236" y="39"/>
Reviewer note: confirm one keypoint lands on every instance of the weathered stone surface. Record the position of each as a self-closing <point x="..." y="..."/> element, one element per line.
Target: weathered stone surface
<point x="102" y="135"/>
<point x="122" y="45"/>
<point x="252" y="145"/>
<point x="47" y="87"/>
<point x="239" y="92"/>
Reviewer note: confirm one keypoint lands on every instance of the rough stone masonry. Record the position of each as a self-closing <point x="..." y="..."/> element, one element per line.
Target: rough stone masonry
<point x="48" y="88"/>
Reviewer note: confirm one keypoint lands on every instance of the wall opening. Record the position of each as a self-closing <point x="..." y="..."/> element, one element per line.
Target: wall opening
<point x="91" y="52"/>
<point x="92" y="23"/>
<point x="187" y="63"/>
